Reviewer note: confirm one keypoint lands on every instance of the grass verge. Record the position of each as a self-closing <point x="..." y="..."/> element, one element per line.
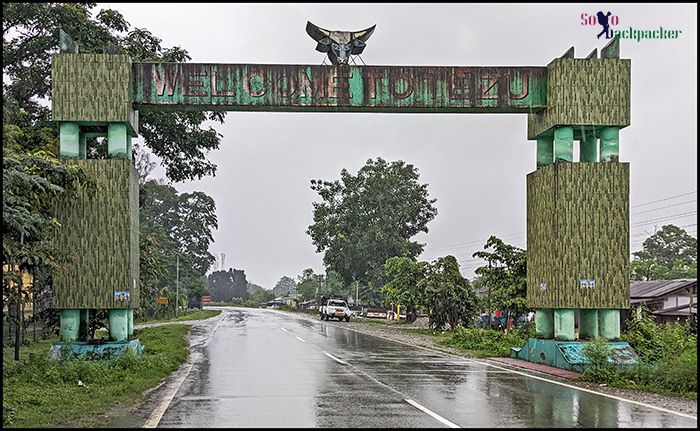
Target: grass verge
<point x="40" y="393"/>
<point x="192" y="315"/>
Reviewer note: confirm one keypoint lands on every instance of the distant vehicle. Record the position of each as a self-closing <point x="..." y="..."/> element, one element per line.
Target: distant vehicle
<point x="334" y="308"/>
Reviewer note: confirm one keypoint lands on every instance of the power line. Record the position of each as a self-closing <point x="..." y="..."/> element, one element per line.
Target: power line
<point x="665" y="199"/>
<point x="651" y="221"/>
<point x="478" y="241"/>
<point x="514" y="235"/>
<point x="667" y="206"/>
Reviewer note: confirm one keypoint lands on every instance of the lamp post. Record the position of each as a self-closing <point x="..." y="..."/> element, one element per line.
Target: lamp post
<point x="177" y="284"/>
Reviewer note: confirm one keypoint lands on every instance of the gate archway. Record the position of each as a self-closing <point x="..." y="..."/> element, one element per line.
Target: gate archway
<point x="578" y="213"/>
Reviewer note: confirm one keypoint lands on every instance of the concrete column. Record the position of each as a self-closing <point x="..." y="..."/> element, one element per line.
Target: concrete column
<point x="610" y="323"/>
<point x="610" y="144"/>
<point x="544" y="323"/>
<point x="70" y="325"/>
<point x="130" y="322"/>
<point x="84" y="332"/>
<point x="588" y="325"/>
<point x="564" y="324"/>
<point x="564" y="144"/>
<point x="545" y="150"/>
<point x="118" y="324"/>
<point x="588" y="148"/>
<point x="82" y="146"/>
<point x="117" y="141"/>
<point x="69" y="140"/>
<point x="128" y="146"/>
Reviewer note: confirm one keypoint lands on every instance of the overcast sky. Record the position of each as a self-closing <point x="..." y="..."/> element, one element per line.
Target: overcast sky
<point x="475" y="165"/>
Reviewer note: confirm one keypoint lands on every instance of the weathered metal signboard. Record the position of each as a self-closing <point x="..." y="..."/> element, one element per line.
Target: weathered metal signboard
<point x="425" y="89"/>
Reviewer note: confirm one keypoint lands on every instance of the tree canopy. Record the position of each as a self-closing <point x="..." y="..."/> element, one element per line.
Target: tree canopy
<point x="362" y="220"/>
<point x="30" y="37"/>
<point x="404" y="276"/>
<point x="667" y="254"/>
<point x="506" y="274"/>
<point x="285" y="286"/>
<point x="448" y="295"/>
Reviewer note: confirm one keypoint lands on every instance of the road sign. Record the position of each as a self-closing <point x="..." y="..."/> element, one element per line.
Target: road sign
<point x="161" y="300"/>
<point x="206" y="298"/>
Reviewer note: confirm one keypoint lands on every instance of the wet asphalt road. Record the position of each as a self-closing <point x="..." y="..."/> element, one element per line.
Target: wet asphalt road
<point x="261" y="368"/>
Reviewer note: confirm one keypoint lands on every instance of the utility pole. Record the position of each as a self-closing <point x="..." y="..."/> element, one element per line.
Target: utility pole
<point x="177" y="283"/>
<point x="489" y="297"/>
<point x="357" y="293"/>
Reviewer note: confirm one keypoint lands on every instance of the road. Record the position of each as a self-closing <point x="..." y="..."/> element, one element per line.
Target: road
<point x="262" y="368"/>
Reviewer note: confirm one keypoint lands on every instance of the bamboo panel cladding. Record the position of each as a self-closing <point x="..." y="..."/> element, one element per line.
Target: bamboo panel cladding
<point x="584" y="92"/>
<point x="92" y="88"/>
<point x="99" y="238"/>
<point x="578" y="236"/>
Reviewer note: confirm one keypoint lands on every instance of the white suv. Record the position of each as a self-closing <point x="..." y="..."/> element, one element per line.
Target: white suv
<point x="335" y="308"/>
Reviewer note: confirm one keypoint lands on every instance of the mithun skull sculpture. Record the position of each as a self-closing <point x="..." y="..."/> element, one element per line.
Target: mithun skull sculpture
<point x="339" y="44"/>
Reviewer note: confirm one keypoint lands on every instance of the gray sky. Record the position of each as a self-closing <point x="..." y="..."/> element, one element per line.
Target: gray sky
<point x="475" y="165"/>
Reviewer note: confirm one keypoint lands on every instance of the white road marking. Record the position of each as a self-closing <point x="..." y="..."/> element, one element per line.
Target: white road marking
<point x="301" y="339"/>
<point x="527" y="375"/>
<point x="433" y="414"/>
<point x="284" y="329"/>
<point x="334" y="358"/>
<point x="593" y="392"/>
<point x="157" y="414"/>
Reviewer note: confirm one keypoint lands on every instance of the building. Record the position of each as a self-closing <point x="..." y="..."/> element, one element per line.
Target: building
<point x="668" y="300"/>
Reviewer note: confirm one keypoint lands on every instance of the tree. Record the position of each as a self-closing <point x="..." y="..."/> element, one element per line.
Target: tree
<point x="506" y="274"/>
<point x="261" y="296"/>
<point x="364" y="219"/>
<point x="32" y="183"/>
<point x="226" y="285"/>
<point x="448" y="295"/>
<point x="30" y="37"/>
<point x="285" y="286"/>
<point x="173" y="227"/>
<point x="252" y="288"/>
<point x="309" y="284"/>
<point x="668" y="254"/>
<point x="404" y="277"/>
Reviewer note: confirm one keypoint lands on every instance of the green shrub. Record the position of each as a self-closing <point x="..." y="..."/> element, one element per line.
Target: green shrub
<point x="490" y="342"/>
<point x="679" y="373"/>
<point x="599" y="368"/>
<point x="654" y="342"/>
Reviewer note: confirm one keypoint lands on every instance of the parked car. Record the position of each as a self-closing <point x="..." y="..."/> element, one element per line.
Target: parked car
<point x="335" y="308"/>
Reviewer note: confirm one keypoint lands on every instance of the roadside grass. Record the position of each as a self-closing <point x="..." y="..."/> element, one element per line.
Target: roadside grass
<point x="375" y="321"/>
<point x="43" y="393"/>
<point x="477" y="342"/>
<point x="191" y="315"/>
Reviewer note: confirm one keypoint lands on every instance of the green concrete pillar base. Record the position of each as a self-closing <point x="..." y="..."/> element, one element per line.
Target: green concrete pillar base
<point x="70" y="325"/>
<point x="610" y="144"/>
<point x="544" y="323"/>
<point x="69" y="143"/>
<point x="564" y="324"/>
<point x="564" y="144"/>
<point x="130" y="322"/>
<point x="545" y="150"/>
<point x="610" y="324"/>
<point x="588" y="326"/>
<point x="118" y="324"/>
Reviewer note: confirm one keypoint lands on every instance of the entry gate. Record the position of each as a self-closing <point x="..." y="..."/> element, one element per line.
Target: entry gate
<point x="577" y="213"/>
